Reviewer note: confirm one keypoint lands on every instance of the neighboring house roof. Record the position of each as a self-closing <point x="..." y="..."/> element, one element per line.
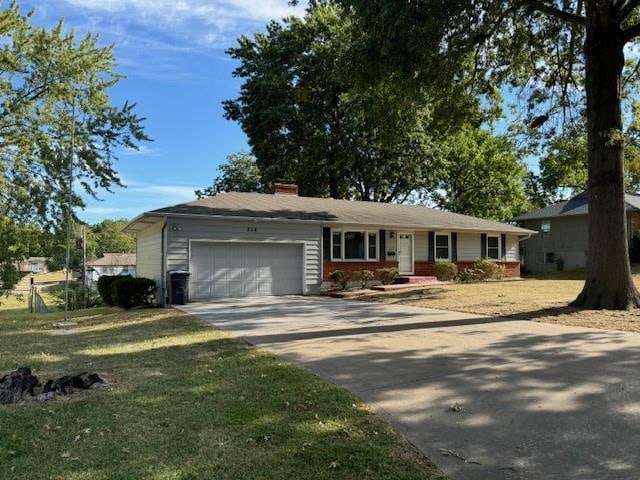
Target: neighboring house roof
<point x="36" y="259"/>
<point x="577" y="205"/>
<point x="114" y="260"/>
<point x="329" y="211"/>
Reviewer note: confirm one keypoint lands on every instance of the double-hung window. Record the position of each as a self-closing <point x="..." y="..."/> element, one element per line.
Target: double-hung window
<point x="493" y="248"/>
<point x="336" y="245"/>
<point x="545" y="228"/>
<point x="443" y="246"/>
<point x="354" y="245"/>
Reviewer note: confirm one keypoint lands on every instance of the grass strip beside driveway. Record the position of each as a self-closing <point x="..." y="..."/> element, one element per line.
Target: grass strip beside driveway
<point x="184" y="401"/>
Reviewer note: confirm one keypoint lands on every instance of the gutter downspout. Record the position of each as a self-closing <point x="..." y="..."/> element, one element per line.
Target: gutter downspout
<point x="163" y="263"/>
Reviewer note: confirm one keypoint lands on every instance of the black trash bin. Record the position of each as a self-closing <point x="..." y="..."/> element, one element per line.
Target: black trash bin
<point x="179" y="287"/>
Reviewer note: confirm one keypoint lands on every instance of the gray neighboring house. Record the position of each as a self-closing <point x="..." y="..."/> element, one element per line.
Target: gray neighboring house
<point x="33" y="265"/>
<point x="110" y="264"/>
<point x="563" y="233"/>
<point x="249" y="244"/>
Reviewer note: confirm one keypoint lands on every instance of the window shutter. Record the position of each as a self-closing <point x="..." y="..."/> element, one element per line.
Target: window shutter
<point x="483" y="246"/>
<point x="382" y="242"/>
<point x="326" y="243"/>
<point x="454" y="247"/>
<point x="431" y="246"/>
<point x="503" y="240"/>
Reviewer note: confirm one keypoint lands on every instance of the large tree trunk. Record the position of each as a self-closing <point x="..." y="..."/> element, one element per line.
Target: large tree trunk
<point x="609" y="283"/>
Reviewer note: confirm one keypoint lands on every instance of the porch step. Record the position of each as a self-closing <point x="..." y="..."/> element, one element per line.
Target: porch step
<point x="415" y="279"/>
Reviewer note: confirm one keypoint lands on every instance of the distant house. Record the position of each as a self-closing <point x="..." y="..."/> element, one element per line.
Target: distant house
<point x="110" y="264"/>
<point x="33" y="265"/>
<point x="252" y="244"/>
<point x="563" y="233"/>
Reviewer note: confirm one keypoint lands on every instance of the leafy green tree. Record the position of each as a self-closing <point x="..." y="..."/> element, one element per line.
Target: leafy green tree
<point x="49" y="80"/>
<point x="239" y="173"/>
<point x="564" y="167"/>
<point x="17" y="242"/>
<point x="483" y="176"/>
<point x="108" y="237"/>
<point x="559" y="56"/>
<point x="309" y="119"/>
<point x="54" y="86"/>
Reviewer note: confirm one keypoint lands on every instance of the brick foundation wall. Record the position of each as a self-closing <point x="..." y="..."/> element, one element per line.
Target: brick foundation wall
<point x="329" y="267"/>
<point x="421" y="268"/>
<point x="427" y="268"/>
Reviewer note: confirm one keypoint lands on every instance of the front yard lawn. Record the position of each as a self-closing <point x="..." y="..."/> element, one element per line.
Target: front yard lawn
<point x="542" y="298"/>
<point x="184" y="401"/>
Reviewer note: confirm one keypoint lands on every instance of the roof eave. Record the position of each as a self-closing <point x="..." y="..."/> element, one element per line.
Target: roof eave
<point x="508" y="228"/>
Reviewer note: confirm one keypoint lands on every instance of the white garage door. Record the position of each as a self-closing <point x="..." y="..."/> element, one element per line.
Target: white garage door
<point x="220" y="270"/>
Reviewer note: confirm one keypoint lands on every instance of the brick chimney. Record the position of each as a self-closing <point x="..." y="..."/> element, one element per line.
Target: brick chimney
<point x="280" y="188"/>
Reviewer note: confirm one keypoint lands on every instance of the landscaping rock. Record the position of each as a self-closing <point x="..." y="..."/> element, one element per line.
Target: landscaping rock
<point x="65" y="385"/>
<point x="18" y="385"/>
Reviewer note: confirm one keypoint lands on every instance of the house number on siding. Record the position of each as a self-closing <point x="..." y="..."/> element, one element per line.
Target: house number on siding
<point x="252" y="229"/>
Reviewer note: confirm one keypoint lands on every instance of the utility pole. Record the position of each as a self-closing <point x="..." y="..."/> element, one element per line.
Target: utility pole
<point x="69" y="209"/>
<point x="84" y="263"/>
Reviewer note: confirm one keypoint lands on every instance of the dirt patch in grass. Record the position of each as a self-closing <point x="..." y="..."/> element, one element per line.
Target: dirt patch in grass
<point x="544" y="299"/>
<point x="184" y="401"/>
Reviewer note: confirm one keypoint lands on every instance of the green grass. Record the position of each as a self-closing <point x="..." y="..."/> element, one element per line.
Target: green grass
<point x="184" y="401"/>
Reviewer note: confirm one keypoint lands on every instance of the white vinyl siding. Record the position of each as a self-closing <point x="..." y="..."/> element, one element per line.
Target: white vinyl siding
<point x="469" y="247"/>
<point x="512" y="253"/>
<point x="149" y="253"/>
<point x="421" y="247"/>
<point x="181" y="230"/>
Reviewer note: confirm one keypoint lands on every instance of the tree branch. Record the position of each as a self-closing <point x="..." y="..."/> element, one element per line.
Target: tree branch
<point x="555" y="12"/>
<point x="627" y="8"/>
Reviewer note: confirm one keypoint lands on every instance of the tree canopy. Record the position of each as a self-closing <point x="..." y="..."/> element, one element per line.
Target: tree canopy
<point x="239" y="173"/>
<point x="54" y="94"/>
<point x="483" y="176"/>
<point x="49" y="80"/>
<point x="309" y="119"/>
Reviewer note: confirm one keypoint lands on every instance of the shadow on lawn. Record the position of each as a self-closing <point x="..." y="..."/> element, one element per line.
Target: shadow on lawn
<point x="187" y="401"/>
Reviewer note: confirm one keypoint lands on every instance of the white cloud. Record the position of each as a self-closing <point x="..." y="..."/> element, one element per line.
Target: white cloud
<point x="200" y="23"/>
<point x="101" y="210"/>
<point x="168" y="193"/>
<point x="135" y="198"/>
<point x="142" y="151"/>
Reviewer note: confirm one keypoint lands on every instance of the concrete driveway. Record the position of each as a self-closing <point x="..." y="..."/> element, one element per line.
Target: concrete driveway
<point x="539" y="401"/>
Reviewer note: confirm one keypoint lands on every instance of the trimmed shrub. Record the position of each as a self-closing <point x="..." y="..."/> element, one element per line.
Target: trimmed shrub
<point x="469" y="274"/>
<point x="104" y="287"/>
<point x="365" y="277"/>
<point x="445" y="271"/>
<point x="387" y="275"/>
<point x="489" y="270"/>
<point x="340" y="278"/>
<point x="128" y="292"/>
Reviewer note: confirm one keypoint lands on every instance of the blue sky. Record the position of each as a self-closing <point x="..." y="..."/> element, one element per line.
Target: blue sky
<point x="172" y="53"/>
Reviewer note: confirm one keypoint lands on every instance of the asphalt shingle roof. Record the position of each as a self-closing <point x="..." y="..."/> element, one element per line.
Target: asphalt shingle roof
<point x="114" y="259"/>
<point x="330" y="211"/>
<point x="577" y="205"/>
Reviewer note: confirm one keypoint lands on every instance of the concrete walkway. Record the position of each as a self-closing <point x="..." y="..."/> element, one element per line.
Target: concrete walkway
<point x="539" y="401"/>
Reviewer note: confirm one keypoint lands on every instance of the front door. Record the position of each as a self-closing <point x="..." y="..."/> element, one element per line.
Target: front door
<point x="405" y="253"/>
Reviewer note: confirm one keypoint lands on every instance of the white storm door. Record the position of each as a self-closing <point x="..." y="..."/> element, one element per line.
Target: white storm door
<point x="405" y="253"/>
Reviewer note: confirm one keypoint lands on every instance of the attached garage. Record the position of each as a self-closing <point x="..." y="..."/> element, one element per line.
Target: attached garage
<point x="238" y="269"/>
